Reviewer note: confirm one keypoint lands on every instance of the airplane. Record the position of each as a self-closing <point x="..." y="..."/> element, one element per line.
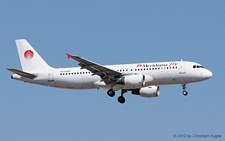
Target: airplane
<point x="141" y="79"/>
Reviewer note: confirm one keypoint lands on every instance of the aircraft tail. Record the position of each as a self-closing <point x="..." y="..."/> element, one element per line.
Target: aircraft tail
<point x="30" y="60"/>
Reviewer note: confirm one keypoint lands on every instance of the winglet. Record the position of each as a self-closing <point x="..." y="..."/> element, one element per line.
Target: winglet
<point x="68" y="55"/>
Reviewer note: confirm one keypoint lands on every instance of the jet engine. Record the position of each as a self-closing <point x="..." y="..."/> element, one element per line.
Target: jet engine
<point x="135" y="80"/>
<point x="151" y="91"/>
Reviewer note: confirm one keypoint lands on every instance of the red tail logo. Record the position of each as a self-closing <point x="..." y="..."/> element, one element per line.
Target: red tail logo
<point x="28" y="54"/>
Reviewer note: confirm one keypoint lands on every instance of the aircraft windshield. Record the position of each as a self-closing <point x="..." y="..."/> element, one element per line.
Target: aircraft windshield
<point x="197" y="66"/>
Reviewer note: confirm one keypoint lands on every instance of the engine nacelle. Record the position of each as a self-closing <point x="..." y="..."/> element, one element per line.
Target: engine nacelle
<point x="135" y="80"/>
<point x="151" y="91"/>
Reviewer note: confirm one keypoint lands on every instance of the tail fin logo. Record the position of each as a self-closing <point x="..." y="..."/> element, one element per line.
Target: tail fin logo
<point x="28" y="54"/>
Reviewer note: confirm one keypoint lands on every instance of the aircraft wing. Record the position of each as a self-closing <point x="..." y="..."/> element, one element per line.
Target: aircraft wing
<point x="105" y="73"/>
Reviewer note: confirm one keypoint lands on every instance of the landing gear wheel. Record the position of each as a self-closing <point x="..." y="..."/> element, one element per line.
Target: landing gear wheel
<point x="121" y="99"/>
<point x="185" y="93"/>
<point x="111" y="93"/>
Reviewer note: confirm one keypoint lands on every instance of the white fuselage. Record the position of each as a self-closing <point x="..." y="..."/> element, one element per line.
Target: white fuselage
<point x="163" y="73"/>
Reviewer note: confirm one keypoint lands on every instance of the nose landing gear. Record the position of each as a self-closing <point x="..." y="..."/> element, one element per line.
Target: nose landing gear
<point x="185" y="93"/>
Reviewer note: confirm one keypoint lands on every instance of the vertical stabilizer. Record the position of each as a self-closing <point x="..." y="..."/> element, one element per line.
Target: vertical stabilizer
<point x="30" y="60"/>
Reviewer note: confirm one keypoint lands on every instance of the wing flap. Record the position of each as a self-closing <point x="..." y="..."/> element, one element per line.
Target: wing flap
<point x="22" y="73"/>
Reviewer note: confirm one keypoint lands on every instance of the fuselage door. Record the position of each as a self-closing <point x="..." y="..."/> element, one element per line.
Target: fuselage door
<point x="182" y="69"/>
<point x="50" y="76"/>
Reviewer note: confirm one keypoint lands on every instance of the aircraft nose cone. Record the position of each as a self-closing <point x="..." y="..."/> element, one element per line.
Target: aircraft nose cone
<point x="208" y="74"/>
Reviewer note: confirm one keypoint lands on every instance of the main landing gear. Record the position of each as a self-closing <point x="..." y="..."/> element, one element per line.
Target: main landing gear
<point x="185" y="93"/>
<point x="121" y="98"/>
<point x="111" y="93"/>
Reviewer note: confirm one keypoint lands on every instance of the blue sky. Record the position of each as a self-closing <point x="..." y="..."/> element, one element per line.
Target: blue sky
<point x="112" y="32"/>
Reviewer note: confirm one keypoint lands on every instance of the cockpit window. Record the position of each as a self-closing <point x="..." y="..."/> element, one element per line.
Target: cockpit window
<point x="197" y="66"/>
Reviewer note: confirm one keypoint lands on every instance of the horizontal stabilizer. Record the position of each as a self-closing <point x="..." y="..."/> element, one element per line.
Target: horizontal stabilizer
<point x="22" y="73"/>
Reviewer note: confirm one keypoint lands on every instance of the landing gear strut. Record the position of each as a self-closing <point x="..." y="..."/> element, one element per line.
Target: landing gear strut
<point x="121" y="99"/>
<point x="185" y="93"/>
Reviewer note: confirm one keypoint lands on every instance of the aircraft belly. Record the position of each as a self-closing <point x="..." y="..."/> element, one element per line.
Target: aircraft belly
<point x="75" y="82"/>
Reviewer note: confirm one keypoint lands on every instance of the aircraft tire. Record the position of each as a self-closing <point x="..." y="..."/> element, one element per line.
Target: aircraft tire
<point x="185" y="93"/>
<point x="111" y="93"/>
<point x="121" y="99"/>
